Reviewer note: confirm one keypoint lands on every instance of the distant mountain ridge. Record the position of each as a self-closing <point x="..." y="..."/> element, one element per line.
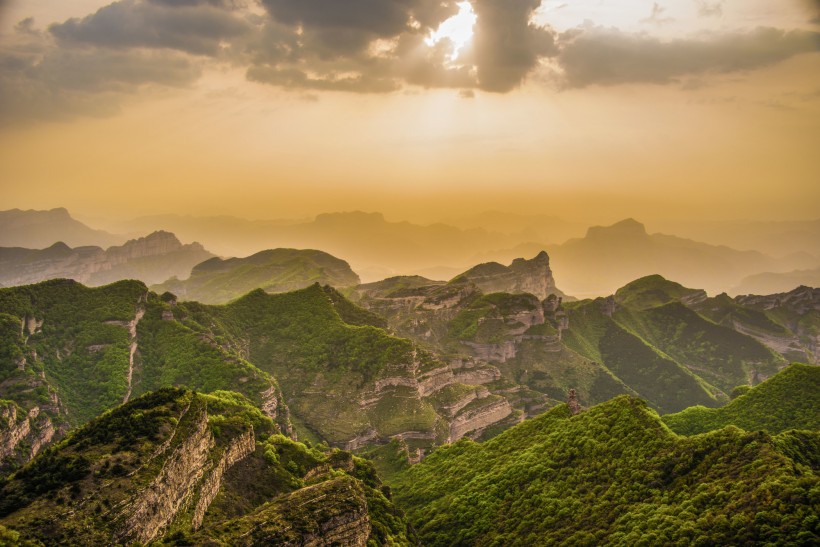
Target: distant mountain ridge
<point x="373" y="245"/>
<point x="606" y="258"/>
<point x="150" y="259"/>
<point x="217" y="280"/>
<point x="610" y="256"/>
<point x="777" y="282"/>
<point x="39" y="229"/>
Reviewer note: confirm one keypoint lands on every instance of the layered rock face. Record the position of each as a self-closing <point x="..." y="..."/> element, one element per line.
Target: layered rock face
<point x="150" y="259"/>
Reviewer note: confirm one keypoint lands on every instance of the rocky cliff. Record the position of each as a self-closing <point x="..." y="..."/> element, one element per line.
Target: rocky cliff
<point x="532" y="276"/>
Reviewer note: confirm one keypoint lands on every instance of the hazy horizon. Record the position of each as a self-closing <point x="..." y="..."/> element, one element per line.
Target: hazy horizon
<point x="421" y="110"/>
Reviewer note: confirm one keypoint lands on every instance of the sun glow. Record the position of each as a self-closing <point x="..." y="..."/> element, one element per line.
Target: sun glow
<point x="458" y="29"/>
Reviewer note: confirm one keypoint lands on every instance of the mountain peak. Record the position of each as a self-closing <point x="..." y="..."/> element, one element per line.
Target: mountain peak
<point x="532" y="276"/>
<point x="626" y="228"/>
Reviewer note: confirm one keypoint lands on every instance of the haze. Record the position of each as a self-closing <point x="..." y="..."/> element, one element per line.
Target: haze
<point x="667" y="110"/>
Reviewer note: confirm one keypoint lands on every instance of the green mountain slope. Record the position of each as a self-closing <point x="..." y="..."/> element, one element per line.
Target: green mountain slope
<point x="653" y="374"/>
<point x="191" y="468"/>
<point x="217" y="281"/>
<point x="614" y="475"/>
<point x="788" y="400"/>
<point x="659" y="312"/>
<point x="70" y="353"/>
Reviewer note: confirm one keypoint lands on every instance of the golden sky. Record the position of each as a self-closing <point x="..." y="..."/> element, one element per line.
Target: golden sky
<point x="422" y="109"/>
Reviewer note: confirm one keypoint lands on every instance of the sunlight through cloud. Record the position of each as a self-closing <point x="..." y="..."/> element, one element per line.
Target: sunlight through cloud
<point x="458" y="29"/>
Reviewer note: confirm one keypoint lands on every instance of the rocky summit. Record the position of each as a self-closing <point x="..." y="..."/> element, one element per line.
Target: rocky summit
<point x="532" y="276"/>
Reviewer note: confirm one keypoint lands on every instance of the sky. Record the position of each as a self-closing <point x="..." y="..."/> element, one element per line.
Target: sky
<point x="590" y="110"/>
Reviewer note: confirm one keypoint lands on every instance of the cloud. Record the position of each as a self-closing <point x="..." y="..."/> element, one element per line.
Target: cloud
<point x="656" y="16"/>
<point x="41" y="81"/>
<point x="611" y="57"/>
<point x="346" y="28"/>
<point x="506" y="45"/>
<point x="334" y="81"/>
<point x="710" y="9"/>
<point x="193" y="26"/>
<point x="90" y="65"/>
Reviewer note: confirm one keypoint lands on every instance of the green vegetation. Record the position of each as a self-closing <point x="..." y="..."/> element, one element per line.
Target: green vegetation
<point x="667" y="385"/>
<point x="651" y="291"/>
<point x="788" y="400"/>
<point x="614" y="475"/>
<point x="217" y="281"/>
<point x="718" y="354"/>
<point x="81" y="345"/>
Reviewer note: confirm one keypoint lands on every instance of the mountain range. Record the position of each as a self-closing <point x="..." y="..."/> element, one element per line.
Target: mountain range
<point x="217" y="400"/>
<point x="151" y="259"/>
<point x="129" y="415"/>
<point x="596" y="264"/>
<point x="40" y="229"/>
<point x="465" y="362"/>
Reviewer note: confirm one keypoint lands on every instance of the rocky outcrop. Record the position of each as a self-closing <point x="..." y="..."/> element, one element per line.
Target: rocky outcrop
<point x="478" y="416"/>
<point x="532" y="276"/>
<point x="333" y="512"/>
<point x="467" y="371"/>
<point x="362" y="439"/>
<point x="156" y="506"/>
<point x="433" y="380"/>
<point x="12" y="431"/>
<point x="453" y="408"/>
<point x="237" y="449"/>
<point x="494" y="353"/>
<point x="33" y="429"/>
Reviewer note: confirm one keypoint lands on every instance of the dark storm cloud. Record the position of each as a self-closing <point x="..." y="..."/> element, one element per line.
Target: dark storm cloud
<point x="193" y="27"/>
<point x="506" y="45"/>
<point x="611" y="57"/>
